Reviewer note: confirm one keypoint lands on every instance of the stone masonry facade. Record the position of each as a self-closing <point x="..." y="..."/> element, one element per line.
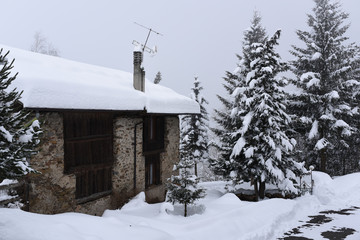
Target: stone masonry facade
<point x="51" y="191"/>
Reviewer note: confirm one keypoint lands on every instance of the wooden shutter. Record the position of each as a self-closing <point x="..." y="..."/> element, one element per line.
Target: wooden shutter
<point x="87" y="140"/>
<point x="88" y="151"/>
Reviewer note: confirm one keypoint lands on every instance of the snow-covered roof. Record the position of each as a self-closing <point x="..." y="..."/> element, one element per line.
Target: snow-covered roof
<point x="55" y="83"/>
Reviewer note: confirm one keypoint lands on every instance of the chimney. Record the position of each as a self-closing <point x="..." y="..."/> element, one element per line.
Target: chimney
<point x="139" y="73"/>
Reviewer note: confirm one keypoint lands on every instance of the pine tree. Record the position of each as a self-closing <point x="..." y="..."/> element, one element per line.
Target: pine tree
<point x="194" y="131"/>
<point x="326" y="106"/>
<point x="158" y="78"/>
<point x="183" y="188"/>
<point x="227" y="123"/>
<point x="18" y="132"/>
<point x="262" y="150"/>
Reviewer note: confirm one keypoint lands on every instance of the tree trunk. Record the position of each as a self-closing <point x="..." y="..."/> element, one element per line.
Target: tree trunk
<point x="256" y="190"/>
<point x="185" y="210"/>
<point x="323" y="160"/>
<point x="261" y="189"/>
<point x="195" y="169"/>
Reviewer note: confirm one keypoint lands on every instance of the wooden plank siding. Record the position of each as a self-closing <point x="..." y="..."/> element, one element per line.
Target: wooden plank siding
<point x="88" y="151"/>
<point x="89" y="182"/>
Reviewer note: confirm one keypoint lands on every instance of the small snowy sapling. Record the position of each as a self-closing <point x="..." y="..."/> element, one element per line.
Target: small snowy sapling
<point x="183" y="188"/>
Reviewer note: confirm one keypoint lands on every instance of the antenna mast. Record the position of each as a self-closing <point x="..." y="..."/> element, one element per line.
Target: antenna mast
<point x="143" y="46"/>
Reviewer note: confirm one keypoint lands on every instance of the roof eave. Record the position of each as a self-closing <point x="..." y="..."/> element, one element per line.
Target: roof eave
<point x="40" y="109"/>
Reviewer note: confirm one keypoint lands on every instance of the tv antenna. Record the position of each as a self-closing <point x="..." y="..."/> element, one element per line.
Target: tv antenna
<point x="143" y="46"/>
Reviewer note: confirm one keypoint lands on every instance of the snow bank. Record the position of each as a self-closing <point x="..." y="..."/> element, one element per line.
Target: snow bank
<point x="346" y="188"/>
<point x="323" y="187"/>
<point x="52" y="82"/>
<point x="17" y="225"/>
<point x="136" y="203"/>
<point x="224" y="216"/>
<point x="340" y="190"/>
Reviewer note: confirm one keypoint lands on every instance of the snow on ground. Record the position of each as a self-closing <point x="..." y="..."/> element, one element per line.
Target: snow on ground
<point x="218" y="216"/>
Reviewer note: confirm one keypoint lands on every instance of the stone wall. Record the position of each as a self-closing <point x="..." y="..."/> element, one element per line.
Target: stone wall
<point x="123" y="170"/>
<point x="51" y="191"/>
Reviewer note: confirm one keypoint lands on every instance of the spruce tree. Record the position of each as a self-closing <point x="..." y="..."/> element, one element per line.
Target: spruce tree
<point x="18" y="131"/>
<point x="220" y="165"/>
<point x="193" y="150"/>
<point x="226" y="122"/>
<point x="158" y="78"/>
<point x="262" y="150"/>
<point x="194" y="131"/>
<point x="183" y="188"/>
<point x="326" y="105"/>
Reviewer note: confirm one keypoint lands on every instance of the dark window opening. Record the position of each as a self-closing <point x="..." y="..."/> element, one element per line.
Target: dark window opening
<point x="88" y="148"/>
<point x="152" y="170"/>
<point x="154" y="128"/>
<point x="153" y="145"/>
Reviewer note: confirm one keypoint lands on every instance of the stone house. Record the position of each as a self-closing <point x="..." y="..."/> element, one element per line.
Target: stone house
<point x="107" y="134"/>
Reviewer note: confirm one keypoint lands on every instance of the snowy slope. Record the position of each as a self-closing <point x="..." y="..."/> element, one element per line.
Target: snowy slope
<point x="218" y="216"/>
<point x="57" y="83"/>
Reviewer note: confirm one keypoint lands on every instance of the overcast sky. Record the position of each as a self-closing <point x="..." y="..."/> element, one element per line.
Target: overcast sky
<point x="200" y="37"/>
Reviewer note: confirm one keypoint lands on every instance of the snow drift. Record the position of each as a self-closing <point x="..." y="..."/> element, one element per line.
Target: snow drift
<point x="224" y="216"/>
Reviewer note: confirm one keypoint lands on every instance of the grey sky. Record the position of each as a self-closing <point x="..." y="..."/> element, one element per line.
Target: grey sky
<point x="201" y="37"/>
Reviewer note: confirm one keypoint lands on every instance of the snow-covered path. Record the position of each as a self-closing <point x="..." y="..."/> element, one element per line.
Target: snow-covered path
<point x="329" y="224"/>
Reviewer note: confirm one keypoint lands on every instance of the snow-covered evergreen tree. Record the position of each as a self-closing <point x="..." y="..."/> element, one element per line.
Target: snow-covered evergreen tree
<point x="194" y="131"/>
<point x="326" y="72"/>
<point x="222" y="143"/>
<point x="261" y="153"/>
<point x="193" y="150"/>
<point x="225" y="119"/>
<point x="183" y="188"/>
<point x="18" y="132"/>
<point x="158" y="78"/>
